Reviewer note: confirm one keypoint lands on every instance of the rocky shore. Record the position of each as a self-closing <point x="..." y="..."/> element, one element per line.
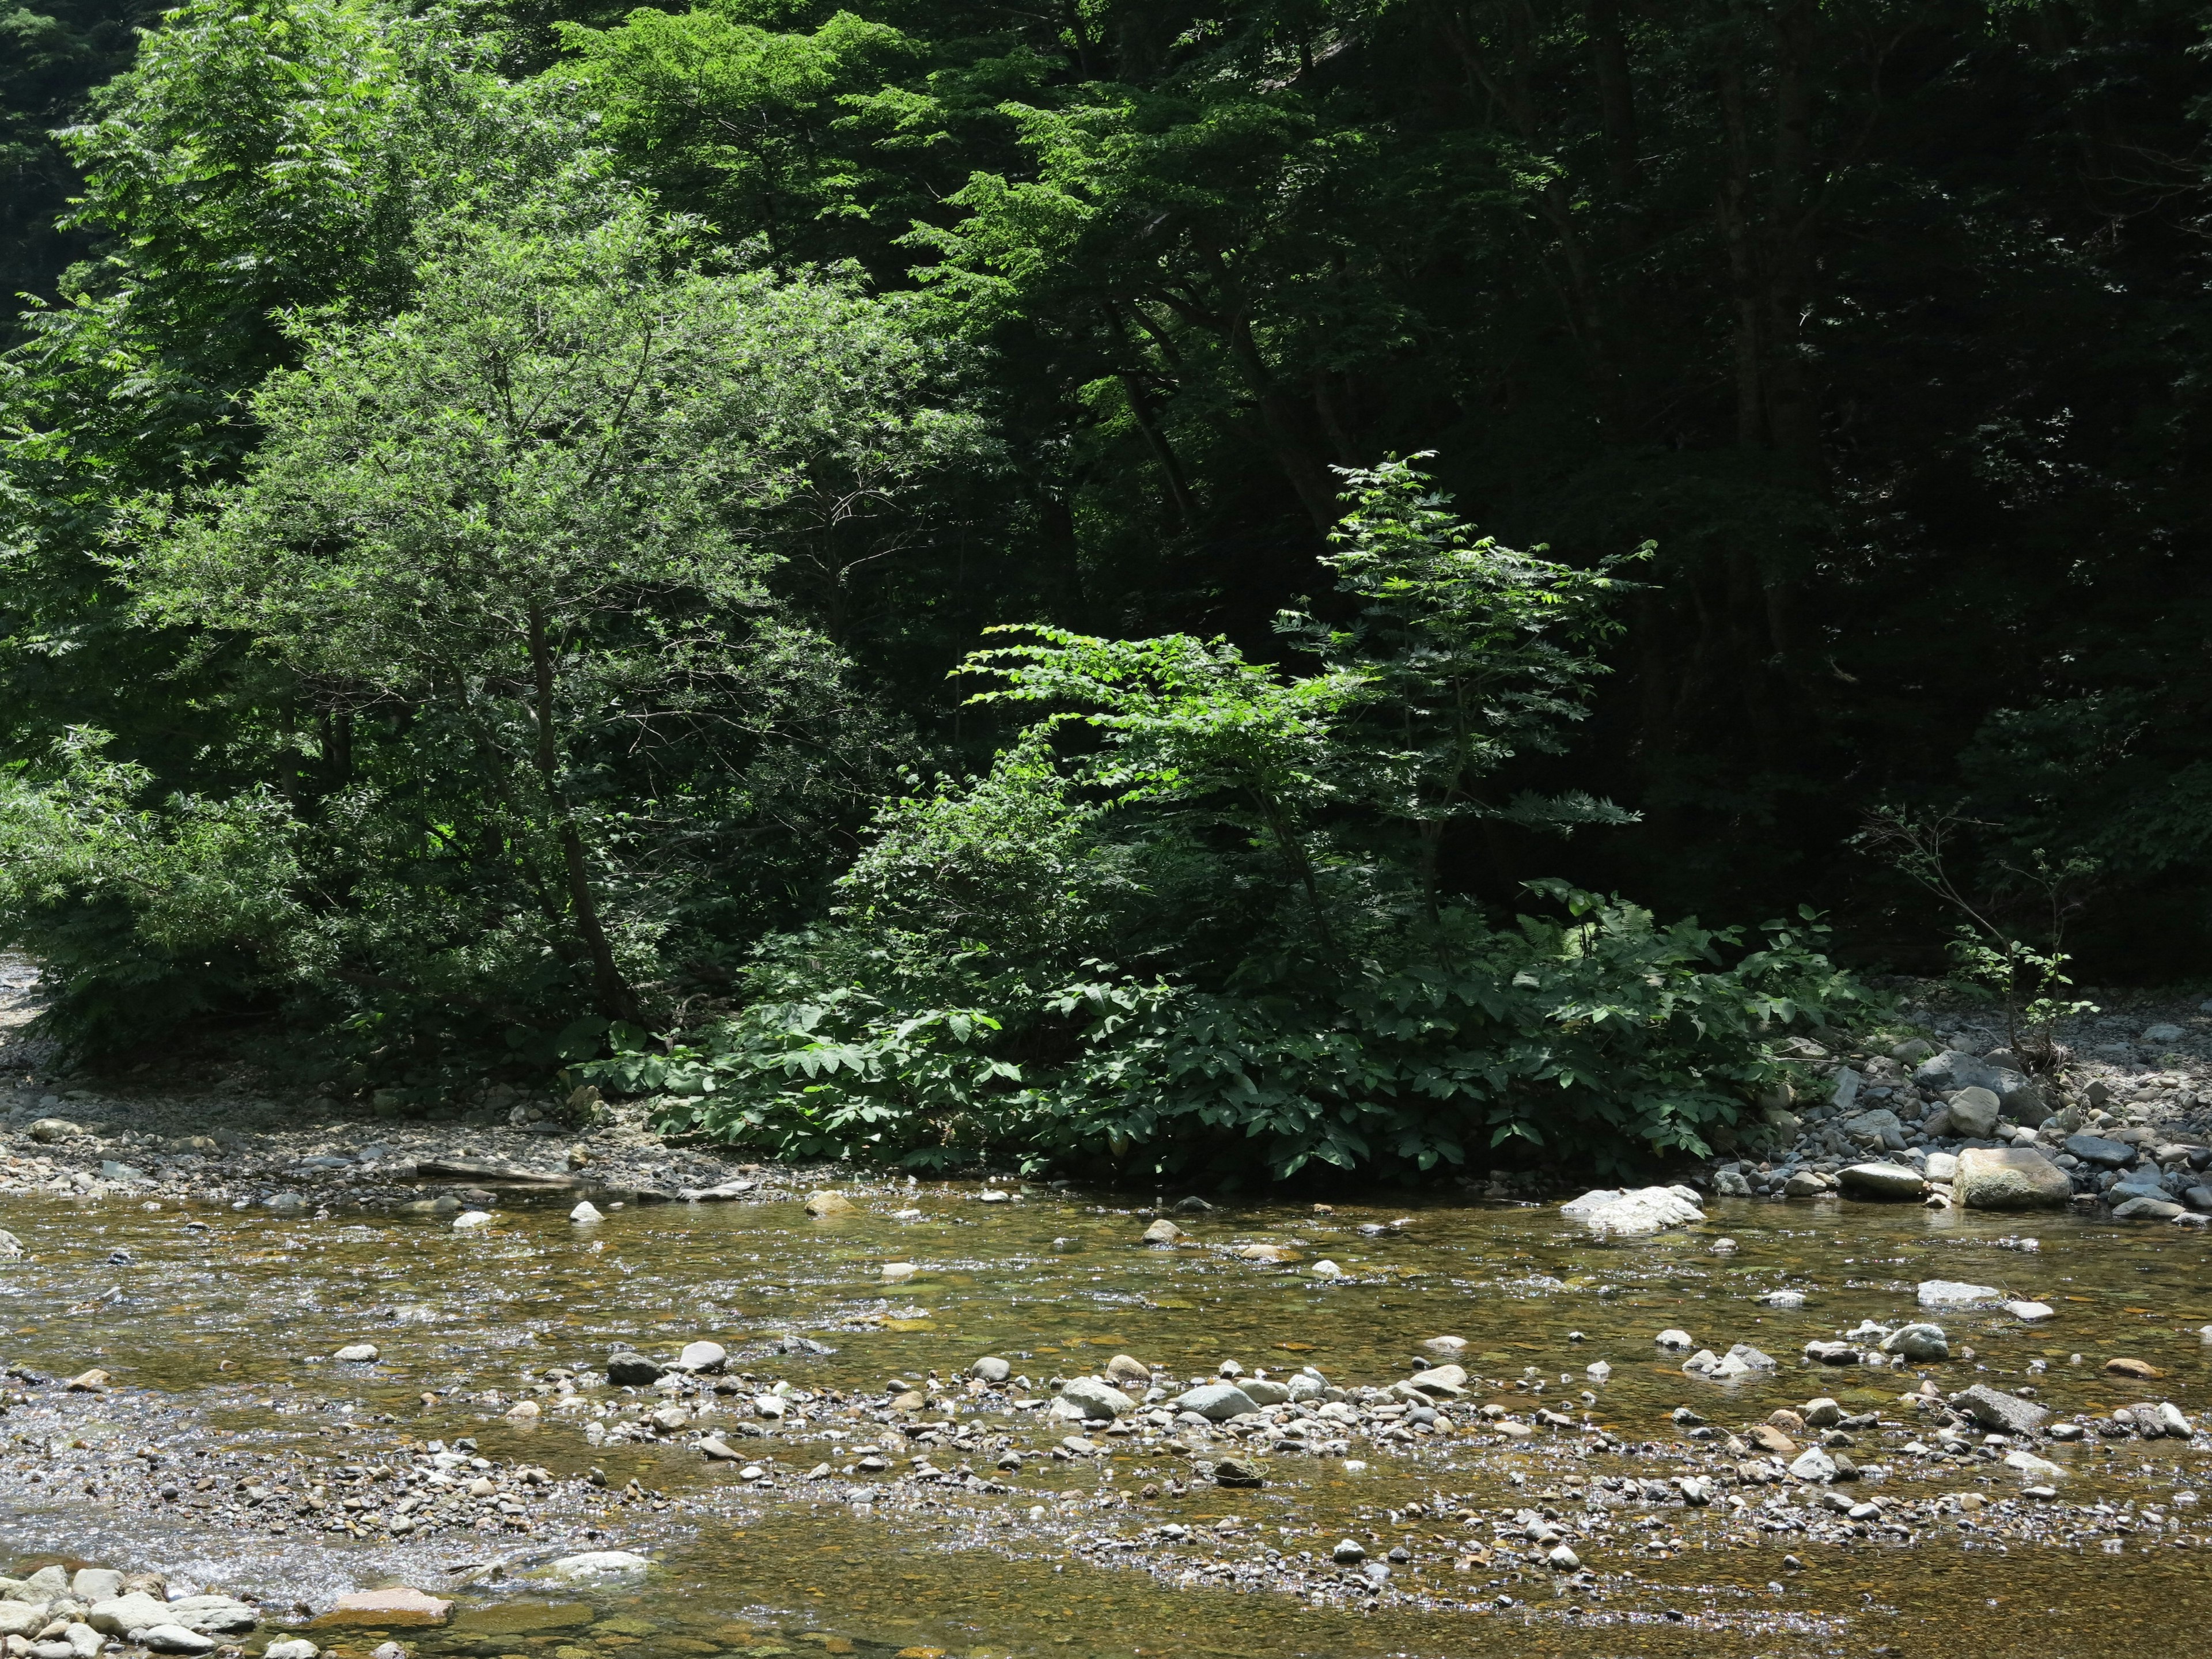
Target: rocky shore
<point x="2122" y="1129"/>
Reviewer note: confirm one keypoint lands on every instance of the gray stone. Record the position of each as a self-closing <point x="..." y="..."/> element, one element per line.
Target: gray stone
<point x="703" y="1357"/>
<point x="1348" y="1552"/>
<point x="1099" y="1401"/>
<point x="992" y="1369"/>
<point x="1920" y="1343"/>
<point x="2095" y="1148"/>
<point x="2036" y="1468"/>
<point x="2006" y="1413"/>
<point x="1784" y="1299"/>
<point x="1448" y="1382"/>
<point x="22" y="1618"/>
<point x="173" y="1639"/>
<point x="2025" y="1103"/>
<point x="124" y="1613"/>
<point x="292" y="1647"/>
<point x="356" y="1353"/>
<point x="597" y="1564"/>
<point x="220" y="1615"/>
<point x="2148" y="1209"/>
<point x="1731" y="1183"/>
<point x="1848" y="1083"/>
<point x="1973" y="1112"/>
<point x="1215" y="1401"/>
<point x="1442" y="1347"/>
<point x="2163" y="1034"/>
<point x="2009" y="1178"/>
<point x="1882" y="1181"/>
<point x="1266" y="1391"/>
<point x="48" y="1130"/>
<point x="1814" y="1464"/>
<point x="91" y="1584"/>
<point x="1872" y="1125"/>
<point x="110" y="1170"/>
<point x="1163" y="1231"/>
<point x="1942" y="1166"/>
<point x="627" y="1368"/>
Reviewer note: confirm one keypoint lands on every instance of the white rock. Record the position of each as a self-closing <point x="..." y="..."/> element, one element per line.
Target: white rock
<point x="468" y="1220"/>
<point x="703" y="1357"/>
<point x="1676" y="1340"/>
<point x="1638" y="1211"/>
<point x="1955" y="1293"/>
<point x="292" y="1647"/>
<point x="1597" y="1371"/>
<point x="585" y="1211"/>
<point x="1783" y="1298"/>
<point x="1814" y="1464"/>
<point x="172" y="1638"/>
<point x="896" y="1271"/>
<point x="357" y="1352"/>
<point x="2036" y="1468"/>
<point x="1326" y="1269"/>
<point x="1101" y="1401"/>
<point x="2030" y="1311"/>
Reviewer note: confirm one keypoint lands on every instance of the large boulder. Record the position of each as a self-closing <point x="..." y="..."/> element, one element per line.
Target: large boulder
<point x="1639" y="1209"/>
<point x="2009" y="1178"/>
<point x="1974" y="1112"/>
<point x="1882" y="1181"/>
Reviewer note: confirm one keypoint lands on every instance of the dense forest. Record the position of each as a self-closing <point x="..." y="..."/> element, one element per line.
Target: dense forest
<point x="1141" y="583"/>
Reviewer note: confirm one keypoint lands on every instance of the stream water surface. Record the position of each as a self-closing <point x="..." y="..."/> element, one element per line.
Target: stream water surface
<point x="215" y="1327"/>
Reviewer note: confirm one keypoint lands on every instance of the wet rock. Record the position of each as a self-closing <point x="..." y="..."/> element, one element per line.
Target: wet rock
<point x="472" y="1220"/>
<point x="1236" y="1472"/>
<point x="1326" y="1269"/>
<point x="399" y="1605"/>
<point x="819" y="1205"/>
<point x="2034" y="1467"/>
<point x="1348" y="1552"/>
<point x="110" y="1170"/>
<point x="1955" y="1293"/>
<point x="2031" y="1312"/>
<point x="1635" y="1211"/>
<point x="1442" y="1347"/>
<point x="2147" y="1208"/>
<point x="1974" y="1112"/>
<point x="1098" y="1401"/>
<point x="2009" y="1178"/>
<point x="1882" y="1181"/>
<point x="626" y="1368"/>
<point x="585" y="1213"/>
<point x="715" y="1449"/>
<point x="1676" y="1341"/>
<point x="94" y="1381"/>
<point x="1814" y="1465"/>
<point x="1215" y="1401"/>
<point x="2142" y="1370"/>
<point x="1273" y="1255"/>
<point x="1832" y="1354"/>
<point x="1125" y="1370"/>
<point x="597" y="1564"/>
<point x="991" y="1370"/>
<point x="1920" y="1343"/>
<point x="1772" y="1440"/>
<point x="894" y="1272"/>
<point x="357" y="1352"/>
<point x="1787" y="1300"/>
<point x="2006" y="1413"/>
<point x="1164" y="1232"/>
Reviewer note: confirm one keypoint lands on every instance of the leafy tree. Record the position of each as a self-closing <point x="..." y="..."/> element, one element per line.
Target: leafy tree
<point x="528" y="507"/>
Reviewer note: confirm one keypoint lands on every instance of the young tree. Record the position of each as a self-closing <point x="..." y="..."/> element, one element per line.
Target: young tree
<point x="528" y="506"/>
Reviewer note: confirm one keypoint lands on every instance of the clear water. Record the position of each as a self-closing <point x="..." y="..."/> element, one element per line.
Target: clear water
<point x="216" y="1335"/>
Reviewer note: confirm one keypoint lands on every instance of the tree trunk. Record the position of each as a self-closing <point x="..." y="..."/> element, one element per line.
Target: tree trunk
<point x="614" y="996"/>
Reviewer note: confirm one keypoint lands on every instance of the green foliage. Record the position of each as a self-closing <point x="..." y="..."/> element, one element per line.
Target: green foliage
<point x="1597" y="1035"/>
<point x="943" y="1016"/>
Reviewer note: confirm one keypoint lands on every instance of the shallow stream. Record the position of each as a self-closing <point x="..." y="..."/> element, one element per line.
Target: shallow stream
<point x="215" y="1327"/>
